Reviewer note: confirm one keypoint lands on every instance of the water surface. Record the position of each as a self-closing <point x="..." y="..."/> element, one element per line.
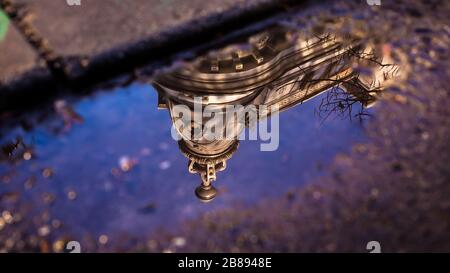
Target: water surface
<point x="76" y="181"/>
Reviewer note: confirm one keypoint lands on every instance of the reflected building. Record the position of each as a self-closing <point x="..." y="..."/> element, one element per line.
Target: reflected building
<point x="279" y="68"/>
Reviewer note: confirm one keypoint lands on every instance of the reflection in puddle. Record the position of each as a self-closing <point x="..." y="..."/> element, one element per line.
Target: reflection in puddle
<point x="111" y="157"/>
<point x="274" y="71"/>
<point x="122" y="168"/>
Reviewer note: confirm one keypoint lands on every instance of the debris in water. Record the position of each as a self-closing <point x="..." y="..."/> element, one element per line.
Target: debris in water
<point x="47" y="172"/>
<point x="48" y="198"/>
<point x="67" y="113"/>
<point x="126" y="163"/>
<point x="30" y="182"/>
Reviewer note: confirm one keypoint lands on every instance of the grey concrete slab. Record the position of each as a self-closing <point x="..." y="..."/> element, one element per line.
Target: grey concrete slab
<point x="96" y="26"/>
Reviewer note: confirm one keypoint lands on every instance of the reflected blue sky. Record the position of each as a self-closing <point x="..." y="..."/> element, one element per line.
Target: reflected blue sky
<point x="158" y="191"/>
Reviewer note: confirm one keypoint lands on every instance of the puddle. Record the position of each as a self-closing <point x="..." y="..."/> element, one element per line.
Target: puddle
<point x="108" y="164"/>
<point x="121" y="167"/>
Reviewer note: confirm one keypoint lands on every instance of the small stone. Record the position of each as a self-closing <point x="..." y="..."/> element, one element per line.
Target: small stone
<point x="44" y="231"/>
<point x="27" y="156"/>
<point x="2" y="223"/>
<point x="72" y="195"/>
<point x="103" y="239"/>
<point x="146" y="152"/>
<point x="58" y="246"/>
<point x="7" y="217"/>
<point x="179" y="241"/>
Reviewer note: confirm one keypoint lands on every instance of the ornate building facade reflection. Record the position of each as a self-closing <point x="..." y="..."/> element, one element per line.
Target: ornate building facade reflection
<point x="280" y="67"/>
